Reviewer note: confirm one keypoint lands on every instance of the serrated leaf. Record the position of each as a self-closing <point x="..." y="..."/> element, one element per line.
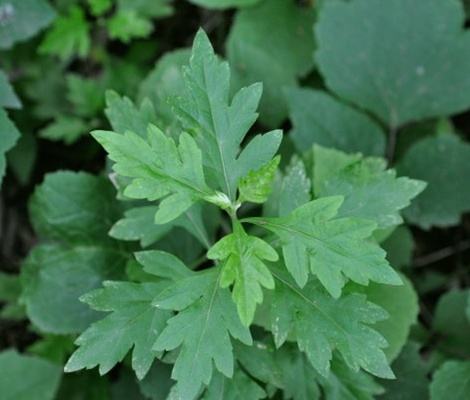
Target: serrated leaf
<point x="138" y="224"/>
<point x="272" y="43"/>
<point x="334" y="249"/>
<point x="370" y="190"/>
<point x="69" y="36"/>
<point x="256" y="186"/>
<point x="451" y="377"/>
<point x="22" y="19"/>
<point x="442" y="161"/>
<point x="207" y="310"/>
<point x="242" y="262"/>
<point x="289" y="370"/>
<point x="218" y="124"/>
<point x="125" y="116"/>
<point x="65" y="128"/>
<point x="240" y="386"/>
<point x="54" y="277"/>
<point x="8" y="97"/>
<point x="160" y="169"/>
<point x="74" y="207"/>
<point x="401" y="304"/>
<point x="319" y="118"/>
<point x="127" y="25"/>
<point x="363" y="64"/>
<point x="27" y="378"/>
<point x="9" y="135"/>
<point x="132" y="324"/>
<point x="320" y="324"/>
<point x="345" y="384"/>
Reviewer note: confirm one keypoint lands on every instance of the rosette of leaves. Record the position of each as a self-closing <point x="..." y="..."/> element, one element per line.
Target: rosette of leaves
<point x="303" y="274"/>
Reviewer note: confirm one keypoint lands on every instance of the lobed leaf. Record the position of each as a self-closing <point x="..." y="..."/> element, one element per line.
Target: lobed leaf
<point x="320" y="324"/>
<point x="242" y="262"/>
<point x="218" y="124"/>
<point x="370" y="190"/>
<point x="334" y="249"/>
<point x="206" y="320"/>
<point x="160" y="169"/>
<point x="132" y="324"/>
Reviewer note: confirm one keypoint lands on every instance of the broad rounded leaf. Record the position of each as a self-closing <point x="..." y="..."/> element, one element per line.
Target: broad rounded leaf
<point x="442" y="162"/>
<point x="321" y="119"/>
<point x="27" y="378"/>
<point x="53" y="279"/>
<point x="376" y="54"/>
<point x="22" y="19"/>
<point x="401" y="304"/>
<point x="74" y="207"/>
<point x="451" y="379"/>
<point x="271" y="42"/>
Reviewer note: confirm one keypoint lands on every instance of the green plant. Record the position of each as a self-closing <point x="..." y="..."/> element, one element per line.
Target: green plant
<point x="298" y="272"/>
<point x="184" y="255"/>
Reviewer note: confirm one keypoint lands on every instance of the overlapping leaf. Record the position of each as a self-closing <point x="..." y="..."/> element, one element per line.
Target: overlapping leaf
<point x="240" y="386"/>
<point x="370" y="190"/>
<point x="160" y="169"/>
<point x="67" y="272"/>
<point x="132" y="324"/>
<point x="218" y="124"/>
<point x="206" y="320"/>
<point x="257" y="185"/>
<point x="243" y="266"/>
<point x="271" y="43"/>
<point x="138" y="224"/>
<point x="411" y="371"/>
<point x="401" y="304"/>
<point x="319" y="118"/>
<point x="320" y="325"/>
<point x="75" y="210"/>
<point x="290" y="371"/>
<point x="125" y="116"/>
<point x="291" y="190"/>
<point x="334" y="249"/>
<point x="74" y="207"/>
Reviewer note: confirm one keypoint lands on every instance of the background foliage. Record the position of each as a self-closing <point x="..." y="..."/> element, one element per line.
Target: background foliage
<point x="387" y="79"/>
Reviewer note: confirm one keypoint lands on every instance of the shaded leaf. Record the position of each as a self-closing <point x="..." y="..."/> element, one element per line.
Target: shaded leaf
<point x="319" y="118"/>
